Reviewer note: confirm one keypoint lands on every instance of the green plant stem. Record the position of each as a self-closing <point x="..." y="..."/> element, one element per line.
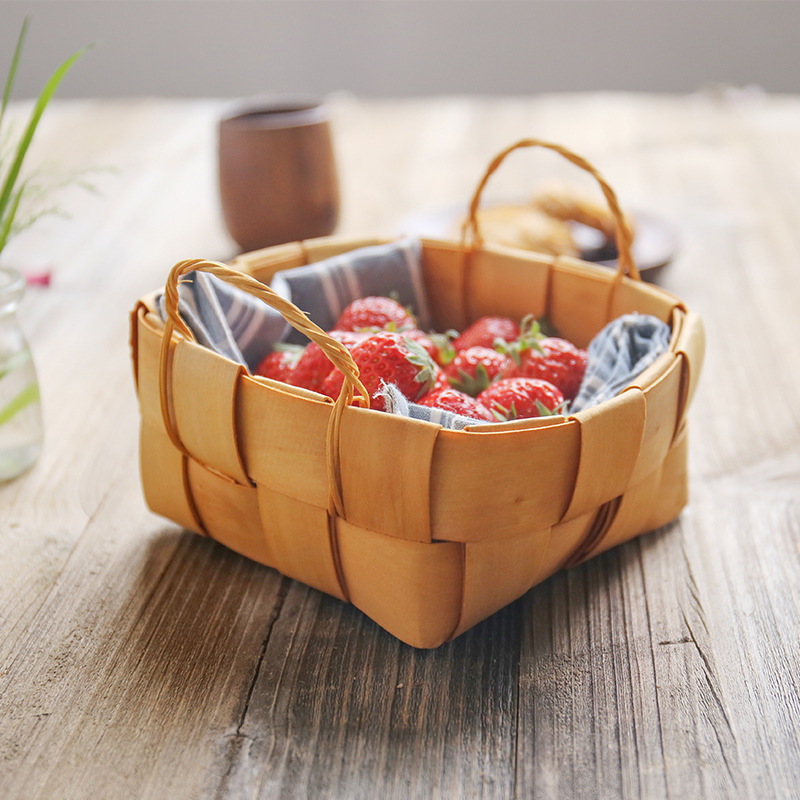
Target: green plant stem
<point x="7" y="196"/>
<point x="28" y="395"/>
<point x="12" y="71"/>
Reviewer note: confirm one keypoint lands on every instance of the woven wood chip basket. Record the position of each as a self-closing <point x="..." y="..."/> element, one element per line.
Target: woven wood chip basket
<point x="428" y="531"/>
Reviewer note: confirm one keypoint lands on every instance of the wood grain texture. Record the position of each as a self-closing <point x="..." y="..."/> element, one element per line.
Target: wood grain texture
<point x="139" y="661"/>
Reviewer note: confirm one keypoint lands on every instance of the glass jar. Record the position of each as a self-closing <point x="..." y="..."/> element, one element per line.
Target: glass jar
<point x="21" y="430"/>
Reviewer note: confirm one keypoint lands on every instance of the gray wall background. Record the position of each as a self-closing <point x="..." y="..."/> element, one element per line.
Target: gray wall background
<point x="396" y="48"/>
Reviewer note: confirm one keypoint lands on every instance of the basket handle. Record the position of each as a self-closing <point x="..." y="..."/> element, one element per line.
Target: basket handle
<point x="339" y="355"/>
<point x="623" y="235"/>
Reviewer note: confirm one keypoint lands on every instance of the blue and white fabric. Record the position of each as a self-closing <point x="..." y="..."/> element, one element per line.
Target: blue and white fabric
<point x="242" y="328"/>
<point x="621" y="352"/>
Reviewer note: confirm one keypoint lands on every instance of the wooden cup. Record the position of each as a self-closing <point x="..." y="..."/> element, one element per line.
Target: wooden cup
<point x="277" y="172"/>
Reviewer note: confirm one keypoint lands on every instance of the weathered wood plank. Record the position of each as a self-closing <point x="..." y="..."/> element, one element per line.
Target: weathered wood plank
<point x="339" y="708"/>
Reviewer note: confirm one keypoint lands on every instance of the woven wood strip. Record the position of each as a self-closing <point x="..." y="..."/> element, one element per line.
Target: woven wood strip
<point x="443" y="273"/>
<point x="507" y="284"/>
<point x="283" y="440"/>
<point x="610" y="439"/>
<point x="673" y="490"/>
<point x="204" y="386"/>
<point x="299" y="541"/>
<point x="263" y="264"/>
<point x="579" y="300"/>
<point x="497" y="572"/>
<point x="386" y="463"/>
<point x="412" y="589"/>
<point x="163" y="468"/>
<point x="328" y="246"/>
<point x="148" y="352"/>
<point x="164" y="480"/>
<point x="691" y="344"/>
<point x="644" y="298"/>
<point x="652" y="502"/>
<point x="567" y="539"/>
<point x="634" y="511"/>
<point x="661" y="415"/>
<point x="229" y="512"/>
<point x="494" y="485"/>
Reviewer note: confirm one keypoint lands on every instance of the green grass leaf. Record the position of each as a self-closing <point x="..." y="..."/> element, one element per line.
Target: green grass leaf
<point x="7" y="222"/>
<point x="7" y="193"/>
<point x="12" y="70"/>
<point x="30" y="394"/>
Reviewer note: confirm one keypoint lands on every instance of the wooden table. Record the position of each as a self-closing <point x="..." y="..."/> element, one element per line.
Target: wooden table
<point x="140" y="661"/>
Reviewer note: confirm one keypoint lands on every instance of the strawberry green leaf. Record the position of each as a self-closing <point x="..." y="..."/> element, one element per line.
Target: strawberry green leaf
<point x="444" y="344"/>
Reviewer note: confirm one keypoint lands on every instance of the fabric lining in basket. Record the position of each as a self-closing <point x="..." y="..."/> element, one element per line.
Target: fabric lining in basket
<point x="240" y="327"/>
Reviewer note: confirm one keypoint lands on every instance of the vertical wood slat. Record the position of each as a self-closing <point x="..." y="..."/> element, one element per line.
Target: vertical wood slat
<point x="162" y="467"/>
<point x="204" y="387"/>
<point x="578" y="302"/>
<point x="610" y="439"/>
<point x="385" y="473"/>
<point x="662" y="395"/>
<point x="412" y="589"/>
<point x="691" y="347"/>
<point x="442" y="269"/>
<point x="283" y="440"/>
<point x="147" y="351"/>
<point x="643" y="298"/>
<point x="502" y="283"/>
<point x="229" y="512"/>
<point x="164" y="480"/>
<point x="299" y="541"/>
<point x="498" y="571"/>
<point x="498" y="484"/>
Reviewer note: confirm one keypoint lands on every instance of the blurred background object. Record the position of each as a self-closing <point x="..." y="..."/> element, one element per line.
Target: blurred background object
<point x="277" y="171"/>
<point x="402" y="48"/>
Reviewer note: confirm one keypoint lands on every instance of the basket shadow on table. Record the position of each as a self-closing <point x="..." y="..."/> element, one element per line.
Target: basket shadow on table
<point x="293" y="662"/>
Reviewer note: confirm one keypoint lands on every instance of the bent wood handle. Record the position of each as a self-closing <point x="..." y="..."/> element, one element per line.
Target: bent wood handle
<point x="336" y="352"/>
<point x="623" y="235"/>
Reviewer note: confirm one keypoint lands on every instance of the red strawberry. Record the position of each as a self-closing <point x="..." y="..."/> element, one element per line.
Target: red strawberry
<point x="473" y="369"/>
<point x="485" y="331"/>
<point x="332" y="385"/>
<point x="458" y="403"/>
<point x="313" y="366"/>
<point x="391" y="358"/>
<point x="374" y="314"/>
<point x="550" y="359"/>
<point x="440" y="382"/>
<point x="280" y="363"/>
<point x="521" y="398"/>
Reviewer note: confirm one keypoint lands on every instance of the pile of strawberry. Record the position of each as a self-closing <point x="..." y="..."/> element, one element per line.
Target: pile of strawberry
<point x="496" y="370"/>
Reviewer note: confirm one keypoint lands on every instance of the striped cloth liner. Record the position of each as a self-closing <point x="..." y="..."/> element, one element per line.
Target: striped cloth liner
<point x="618" y="354"/>
<point x="242" y="328"/>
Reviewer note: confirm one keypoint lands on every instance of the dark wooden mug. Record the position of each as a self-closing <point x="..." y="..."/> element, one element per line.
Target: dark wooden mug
<point x="277" y="172"/>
